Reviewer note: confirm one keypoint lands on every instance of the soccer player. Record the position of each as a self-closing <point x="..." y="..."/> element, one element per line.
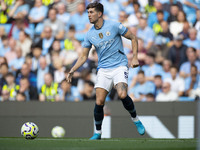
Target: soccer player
<point x="105" y="35"/>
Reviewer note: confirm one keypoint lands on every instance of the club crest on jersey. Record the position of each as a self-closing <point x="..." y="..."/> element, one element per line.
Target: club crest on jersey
<point x="107" y="33"/>
<point x="101" y="35"/>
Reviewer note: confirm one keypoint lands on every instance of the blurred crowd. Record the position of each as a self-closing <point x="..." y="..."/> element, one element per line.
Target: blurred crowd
<point x="41" y="39"/>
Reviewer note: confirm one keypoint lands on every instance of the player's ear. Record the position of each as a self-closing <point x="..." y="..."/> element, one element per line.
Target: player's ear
<point x="99" y="14"/>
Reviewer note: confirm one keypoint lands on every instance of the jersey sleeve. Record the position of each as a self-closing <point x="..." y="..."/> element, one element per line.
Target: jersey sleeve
<point x="86" y="43"/>
<point x="121" y="29"/>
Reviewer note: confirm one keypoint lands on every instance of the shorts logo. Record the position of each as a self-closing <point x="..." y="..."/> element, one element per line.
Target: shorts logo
<point x="101" y="35"/>
<point x="107" y="33"/>
<point x="126" y="75"/>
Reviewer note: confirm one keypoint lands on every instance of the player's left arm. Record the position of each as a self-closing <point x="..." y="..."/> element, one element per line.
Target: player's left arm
<point x="134" y="41"/>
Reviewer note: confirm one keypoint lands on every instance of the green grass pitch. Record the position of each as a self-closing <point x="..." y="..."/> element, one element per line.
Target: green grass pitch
<point x="104" y="144"/>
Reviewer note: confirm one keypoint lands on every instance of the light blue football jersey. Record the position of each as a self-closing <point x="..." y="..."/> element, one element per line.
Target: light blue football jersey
<point x="108" y="43"/>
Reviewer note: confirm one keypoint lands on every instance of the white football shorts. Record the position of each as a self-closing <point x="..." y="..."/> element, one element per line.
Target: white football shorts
<point x="106" y="78"/>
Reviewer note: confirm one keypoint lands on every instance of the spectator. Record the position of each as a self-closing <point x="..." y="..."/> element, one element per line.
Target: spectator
<point x="11" y="55"/>
<point x="185" y="32"/>
<point x="56" y="25"/>
<point x="114" y="12"/>
<point x="17" y="26"/>
<point x="190" y="7"/>
<point x="56" y="47"/>
<point x="3" y="15"/>
<point x="158" y="85"/>
<point x="3" y="73"/>
<point x="141" y="88"/>
<point x="192" y="59"/>
<point x="70" y="37"/>
<point x="174" y="9"/>
<point x="133" y="19"/>
<point x="123" y="18"/>
<point x="59" y="74"/>
<point x="167" y="6"/>
<point x="26" y="72"/>
<point x="17" y="63"/>
<point x="88" y="91"/>
<point x="165" y="34"/>
<point x="19" y="10"/>
<point x="3" y="60"/>
<point x="62" y="14"/>
<point x="29" y="91"/>
<point x="21" y="97"/>
<point x="80" y="21"/>
<point x="49" y="91"/>
<point x="166" y="65"/>
<point x="160" y="18"/>
<point x="166" y="95"/>
<point x="197" y="24"/>
<point x="192" y="41"/>
<point x="160" y="49"/>
<point x="192" y="83"/>
<point x="2" y="33"/>
<point x="24" y="42"/>
<point x="5" y="45"/>
<point x="37" y="52"/>
<point x="176" y="27"/>
<point x="128" y="6"/>
<point x="72" y="5"/>
<point x="150" y="97"/>
<point x="151" y="68"/>
<point x="67" y="92"/>
<point x="177" y="53"/>
<point x="146" y="33"/>
<point x="177" y="83"/>
<point x="37" y="13"/>
<point x="10" y="87"/>
<point x="42" y="70"/>
<point x="47" y="40"/>
<point x="152" y="18"/>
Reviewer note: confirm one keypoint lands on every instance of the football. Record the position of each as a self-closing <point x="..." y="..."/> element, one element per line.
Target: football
<point x="58" y="132"/>
<point x="29" y="130"/>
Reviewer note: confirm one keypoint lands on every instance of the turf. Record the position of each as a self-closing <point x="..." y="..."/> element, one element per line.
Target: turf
<point x="104" y="144"/>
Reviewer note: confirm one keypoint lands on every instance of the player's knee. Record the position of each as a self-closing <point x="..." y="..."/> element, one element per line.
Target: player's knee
<point x="122" y="95"/>
<point x="100" y="102"/>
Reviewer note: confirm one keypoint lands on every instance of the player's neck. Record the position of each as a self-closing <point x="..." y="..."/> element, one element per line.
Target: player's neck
<point x="99" y="23"/>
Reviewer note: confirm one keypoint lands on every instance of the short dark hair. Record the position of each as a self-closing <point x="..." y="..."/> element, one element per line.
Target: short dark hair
<point x="90" y="83"/>
<point x="141" y="72"/>
<point x="10" y="74"/>
<point x="159" y="12"/>
<point x="193" y="49"/>
<point x="158" y="76"/>
<point x="151" y="54"/>
<point x="193" y="65"/>
<point x="98" y="6"/>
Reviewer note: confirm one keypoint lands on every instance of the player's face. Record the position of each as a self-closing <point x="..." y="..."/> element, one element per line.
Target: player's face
<point x="93" y="15"/>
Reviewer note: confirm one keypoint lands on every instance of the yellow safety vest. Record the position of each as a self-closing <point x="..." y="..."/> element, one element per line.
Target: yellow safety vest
<point x="3" y="18"/>
<point x="9" y="2"/>
<point x="47" y="2"/>
<point x="157" y="28"/>
<point x="149" y="9"/>
<point x="68" y="44"/>
<point x="12" y="91"/>
<point x="50" y="92"/>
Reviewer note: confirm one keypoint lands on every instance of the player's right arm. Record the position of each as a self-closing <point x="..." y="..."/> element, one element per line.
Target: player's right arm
<point x="81" y="60"/>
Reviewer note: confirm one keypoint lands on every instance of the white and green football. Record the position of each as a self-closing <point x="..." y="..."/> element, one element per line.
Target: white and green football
<point x="29" y="130"/>
<point x="58" y="132"/>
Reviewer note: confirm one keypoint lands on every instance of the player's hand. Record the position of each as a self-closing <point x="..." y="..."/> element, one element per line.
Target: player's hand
<point x="69" y="76"/>
<point x="134" y="63"/>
